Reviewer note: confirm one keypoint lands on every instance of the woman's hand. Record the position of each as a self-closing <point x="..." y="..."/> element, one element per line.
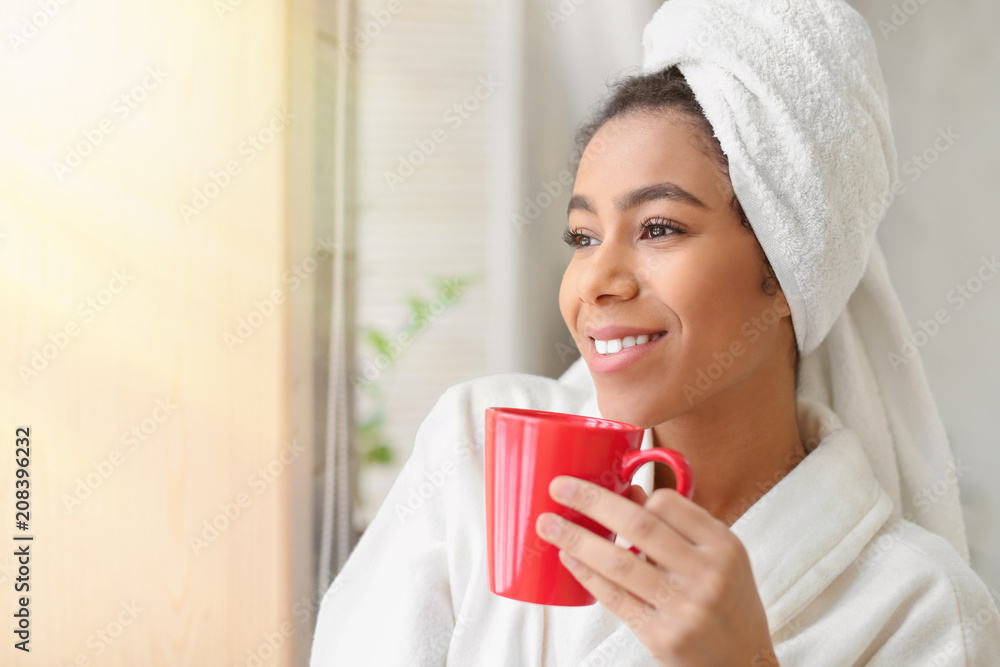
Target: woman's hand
<point x="693" y="601"/>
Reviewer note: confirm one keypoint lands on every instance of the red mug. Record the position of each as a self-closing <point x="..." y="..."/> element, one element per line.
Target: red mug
<point x="527" y="449"/>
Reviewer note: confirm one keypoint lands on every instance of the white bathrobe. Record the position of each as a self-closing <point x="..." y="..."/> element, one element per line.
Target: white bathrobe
<point x="842" y="583"/>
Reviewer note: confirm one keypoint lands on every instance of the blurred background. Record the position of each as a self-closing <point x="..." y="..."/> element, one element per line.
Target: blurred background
<point x="245" y="245"/>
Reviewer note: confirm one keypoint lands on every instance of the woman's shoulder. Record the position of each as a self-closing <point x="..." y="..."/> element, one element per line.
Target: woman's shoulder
<point x="908" y="598"/>
<point x="925" y="592"/>
<point x="902" y="545"/>
<point x="460" y="411"/>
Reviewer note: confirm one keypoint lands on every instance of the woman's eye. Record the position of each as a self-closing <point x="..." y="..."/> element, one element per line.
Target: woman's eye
<point x="578" y="240"/>
<point x="655" y="228"/>
<point x="660" y="228"/>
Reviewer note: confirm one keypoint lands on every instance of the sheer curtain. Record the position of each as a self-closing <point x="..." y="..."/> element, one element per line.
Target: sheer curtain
<point x="334" y="123"/>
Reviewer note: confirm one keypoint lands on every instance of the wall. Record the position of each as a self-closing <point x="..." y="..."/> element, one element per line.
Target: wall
<point x="940" y="62"/>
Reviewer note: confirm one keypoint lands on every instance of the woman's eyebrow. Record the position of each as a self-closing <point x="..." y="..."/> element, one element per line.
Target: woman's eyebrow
<point x="640" y="196"/>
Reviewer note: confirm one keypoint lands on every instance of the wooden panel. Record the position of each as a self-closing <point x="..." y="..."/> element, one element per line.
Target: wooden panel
<point x="148" y="424"/>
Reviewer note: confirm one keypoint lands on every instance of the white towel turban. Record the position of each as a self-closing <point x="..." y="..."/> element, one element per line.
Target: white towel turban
<point x="795" y="94"/>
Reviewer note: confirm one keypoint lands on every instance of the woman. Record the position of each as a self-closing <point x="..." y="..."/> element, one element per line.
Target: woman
<point x="716" y="243"/>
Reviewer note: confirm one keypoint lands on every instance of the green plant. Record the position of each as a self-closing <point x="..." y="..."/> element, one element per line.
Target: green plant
<point x="374" y="445"/>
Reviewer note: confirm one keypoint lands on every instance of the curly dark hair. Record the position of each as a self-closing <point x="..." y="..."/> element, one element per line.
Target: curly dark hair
<point x="668" y="91"/>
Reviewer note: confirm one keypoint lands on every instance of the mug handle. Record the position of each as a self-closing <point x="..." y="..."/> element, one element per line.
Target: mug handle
<point x="677" y="462"/>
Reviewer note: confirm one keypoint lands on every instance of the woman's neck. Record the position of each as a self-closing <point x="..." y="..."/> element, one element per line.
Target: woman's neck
<point x="739" y="443"/>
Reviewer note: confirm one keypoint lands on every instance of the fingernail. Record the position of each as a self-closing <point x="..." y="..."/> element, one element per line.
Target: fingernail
<point x="549" y="525"/>
<point x="568" y="560"/>
<point x="562" y="487"/>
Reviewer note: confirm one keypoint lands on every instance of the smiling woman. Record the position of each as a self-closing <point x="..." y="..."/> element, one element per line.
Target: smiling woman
<point x="663" y="250"/>
<point x="722" y="225"/>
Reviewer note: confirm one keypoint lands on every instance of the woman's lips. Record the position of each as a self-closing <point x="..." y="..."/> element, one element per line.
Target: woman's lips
<point x="612" y="363"/>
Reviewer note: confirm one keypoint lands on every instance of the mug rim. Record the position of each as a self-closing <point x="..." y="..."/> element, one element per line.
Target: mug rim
<point x="568" y="419"/>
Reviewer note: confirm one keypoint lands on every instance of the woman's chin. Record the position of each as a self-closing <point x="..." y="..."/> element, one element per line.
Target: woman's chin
<point x="627" y="409"/>
<point x="621" y="411"/>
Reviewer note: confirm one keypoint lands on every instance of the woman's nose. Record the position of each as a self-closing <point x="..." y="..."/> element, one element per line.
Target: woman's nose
<point x="608" y="274"/>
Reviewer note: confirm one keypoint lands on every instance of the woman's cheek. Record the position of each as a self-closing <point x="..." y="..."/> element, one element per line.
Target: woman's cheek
<point x="566" y="303"/>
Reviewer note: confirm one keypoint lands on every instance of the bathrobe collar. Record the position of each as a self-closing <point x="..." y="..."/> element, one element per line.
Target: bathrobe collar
<point x="808" y="526"/>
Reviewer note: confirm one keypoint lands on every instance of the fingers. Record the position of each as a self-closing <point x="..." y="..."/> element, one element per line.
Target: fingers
<point x="637" y="494"/>
<point x="692" y="521"/>
<point x="611" y="570"/>
<point x="615" y="598"/>
<point x="651" y="532"/>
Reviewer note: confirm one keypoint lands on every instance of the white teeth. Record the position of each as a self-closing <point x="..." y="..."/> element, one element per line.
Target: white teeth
<point x="618" y="344"/>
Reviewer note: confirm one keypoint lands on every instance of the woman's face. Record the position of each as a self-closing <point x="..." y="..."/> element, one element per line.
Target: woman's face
<point x="693" y="275"/>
